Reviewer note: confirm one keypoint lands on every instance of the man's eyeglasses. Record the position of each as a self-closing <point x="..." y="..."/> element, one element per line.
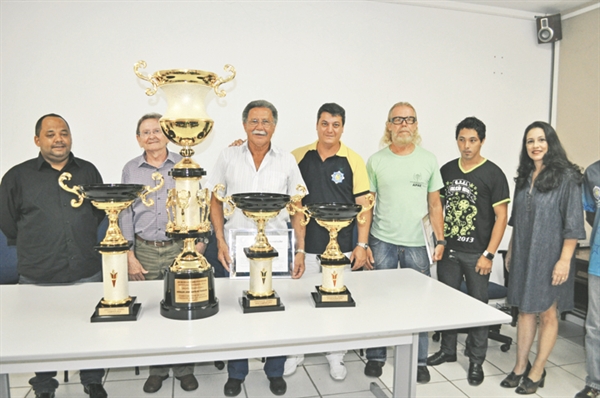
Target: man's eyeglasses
<point x="255" y="122"/>
<point x="399" y="120"/>
<point x="148" y="133"/>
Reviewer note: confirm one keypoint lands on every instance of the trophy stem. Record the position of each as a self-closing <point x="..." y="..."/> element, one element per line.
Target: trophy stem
<point x="114" y="236"/>
<point x="189" y="258"/>
<point x="333" y="251"/>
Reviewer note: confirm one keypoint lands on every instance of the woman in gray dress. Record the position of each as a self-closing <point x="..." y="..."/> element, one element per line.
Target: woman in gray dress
<point x="547" y="221"/>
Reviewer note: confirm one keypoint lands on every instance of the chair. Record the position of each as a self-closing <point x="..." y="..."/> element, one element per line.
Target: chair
<point x="495" y="291"/>
<point x="8" y="262"/>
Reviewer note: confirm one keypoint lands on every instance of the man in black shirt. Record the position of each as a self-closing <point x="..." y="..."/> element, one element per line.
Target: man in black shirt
<point x="476" y="199"/>
<point x="54" y="240"/>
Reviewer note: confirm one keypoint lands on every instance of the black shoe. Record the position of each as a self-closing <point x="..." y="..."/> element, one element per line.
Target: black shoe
<point x="277" y="385"/>
<point x="44" y="395"/>
<point x="219" y="365"/>
<point x="475" y="375"/>
<point x="154" y="383"/>
<point x="528" y="386"/>
<point x="588" y="392"/>
<point x="373" y="368"/>
<point x="513" y="380"/>
<point x="188" y="382"/>
<point x="423" y="375"/>
<point x="233" y="387"/>
<point x="95" y="390"/>
<point x="439" y="358"/>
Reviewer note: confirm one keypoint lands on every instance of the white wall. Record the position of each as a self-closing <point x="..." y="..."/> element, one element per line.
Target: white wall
<point x="75" y="59"/>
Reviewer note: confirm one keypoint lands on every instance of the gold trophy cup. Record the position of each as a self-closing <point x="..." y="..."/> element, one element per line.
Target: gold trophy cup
<point x="116" y="305"/>
<point x="260" y="207"/>
<point x="189" y="282"/>
<point x="333" y="217"/>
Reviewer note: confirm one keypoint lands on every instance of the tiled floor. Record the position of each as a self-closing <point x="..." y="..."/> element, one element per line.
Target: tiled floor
<point x="566" y="374"/>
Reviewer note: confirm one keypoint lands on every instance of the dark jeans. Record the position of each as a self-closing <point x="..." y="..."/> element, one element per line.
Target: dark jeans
<point x="238" y="368"/>
<point x="45" y="381"/>
<point x="211" y="253"/>
<point x="451" y="270"/>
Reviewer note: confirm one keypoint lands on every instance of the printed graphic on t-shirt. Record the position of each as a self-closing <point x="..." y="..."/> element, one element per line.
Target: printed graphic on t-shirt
<point x="461" y="212"/>
<point x="418" y="181"/>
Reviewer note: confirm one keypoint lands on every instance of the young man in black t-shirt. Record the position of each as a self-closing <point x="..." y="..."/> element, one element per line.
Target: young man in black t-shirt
<point x="476" y="199"/>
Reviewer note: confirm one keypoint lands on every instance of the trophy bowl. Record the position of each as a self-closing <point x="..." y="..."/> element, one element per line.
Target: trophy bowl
<point x="260" y="201"/>
<point x="333" y="211"/>
<point x="185" y="123"/>
<point x="112" y="192"/>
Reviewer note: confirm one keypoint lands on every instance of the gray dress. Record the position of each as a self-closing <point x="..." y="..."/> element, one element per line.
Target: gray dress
<point x="541" y="221"/>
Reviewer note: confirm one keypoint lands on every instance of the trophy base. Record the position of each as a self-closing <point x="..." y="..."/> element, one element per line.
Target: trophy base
<point x="251" y="304"/>
<point x="323" y="299"/>
<point x="326" y="261"/>
<point x="128" y="311"/>
<point x="189" y="295"/>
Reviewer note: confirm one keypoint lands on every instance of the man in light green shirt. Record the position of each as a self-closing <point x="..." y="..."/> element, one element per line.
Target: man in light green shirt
<point x="406" y="182"/>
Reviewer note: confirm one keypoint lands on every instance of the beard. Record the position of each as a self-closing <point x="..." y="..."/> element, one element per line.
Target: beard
<point x="403" y="139"/>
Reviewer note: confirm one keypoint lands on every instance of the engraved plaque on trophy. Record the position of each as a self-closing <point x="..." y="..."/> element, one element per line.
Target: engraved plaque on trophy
<point x="189" y="281"/>
<point x="333" y="217"/>
<point x="116" y="305"/>
<point x="260" y="207"/>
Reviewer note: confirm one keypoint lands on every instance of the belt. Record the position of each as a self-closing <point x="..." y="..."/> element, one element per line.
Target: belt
<point x="155" y="243"/>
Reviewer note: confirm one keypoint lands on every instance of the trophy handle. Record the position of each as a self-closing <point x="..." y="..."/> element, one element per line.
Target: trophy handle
<point x="227" y="200"/>
<point x="156" y="176"/>
<point x="221" y="80"/>
<point x="292" y="208"/>
<point x="76" y="190"/>
<point x="149" y="91"/>
<point x="371" y="199"/>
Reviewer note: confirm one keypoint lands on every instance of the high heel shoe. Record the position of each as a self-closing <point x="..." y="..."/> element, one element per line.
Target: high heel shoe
<point x="528" y="386"/>
<point x="513" y="380"/>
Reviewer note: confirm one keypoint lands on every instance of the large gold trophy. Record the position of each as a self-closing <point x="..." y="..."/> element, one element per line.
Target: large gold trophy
<point x="189" y="282"/>
<point x="260" y="207"/>
<point x="116" y="305"/>
<point x="333" y="217"/>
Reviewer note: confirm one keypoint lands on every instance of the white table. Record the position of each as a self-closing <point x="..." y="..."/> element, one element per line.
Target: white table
<point x="46" y="328"/>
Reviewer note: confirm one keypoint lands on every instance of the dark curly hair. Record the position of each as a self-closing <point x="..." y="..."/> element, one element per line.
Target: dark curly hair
<point x="556" y="163"/>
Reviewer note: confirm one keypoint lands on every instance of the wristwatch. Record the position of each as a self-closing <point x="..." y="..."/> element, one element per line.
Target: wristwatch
<point x="488" y="255"/>
<point x="301" y="251"/>
<point x="440" y="242"/>
<point x="363" y="245"/>
<point x="202" y="239"/>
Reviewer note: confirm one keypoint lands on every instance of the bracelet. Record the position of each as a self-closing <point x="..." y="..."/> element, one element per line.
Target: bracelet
<point x="488" y="255"/>
<point x="300" y="251"/>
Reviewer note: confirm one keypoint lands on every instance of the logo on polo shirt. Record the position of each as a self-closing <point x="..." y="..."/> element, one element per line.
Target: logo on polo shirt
<point x="337" y="177"/>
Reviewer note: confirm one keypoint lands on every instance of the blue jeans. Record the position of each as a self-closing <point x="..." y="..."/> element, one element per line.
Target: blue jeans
<point x="238" y="368"/>
<point x="451" y="269"/>
<point x="592" y="335"/>
<point x="388" y="256"/>
<point x="45" y="381"/>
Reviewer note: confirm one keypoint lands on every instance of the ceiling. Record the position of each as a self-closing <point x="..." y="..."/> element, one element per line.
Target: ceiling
<point x="535" y="6"/>
<point x="515" y="8"/>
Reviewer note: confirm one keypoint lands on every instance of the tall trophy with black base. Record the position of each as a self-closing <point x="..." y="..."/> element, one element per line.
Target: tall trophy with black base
<point x="117" y="304"/>
<point x="334" y="216"/>
<point x="189" y="281"/>
<point x="260" y="207"/>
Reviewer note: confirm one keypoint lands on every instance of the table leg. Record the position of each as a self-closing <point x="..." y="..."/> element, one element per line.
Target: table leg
<point x="4" y="386"/>
<point x="405" y="369"/>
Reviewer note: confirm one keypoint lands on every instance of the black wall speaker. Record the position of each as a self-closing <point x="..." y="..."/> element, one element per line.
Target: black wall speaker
<point x="548" y="28"/>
